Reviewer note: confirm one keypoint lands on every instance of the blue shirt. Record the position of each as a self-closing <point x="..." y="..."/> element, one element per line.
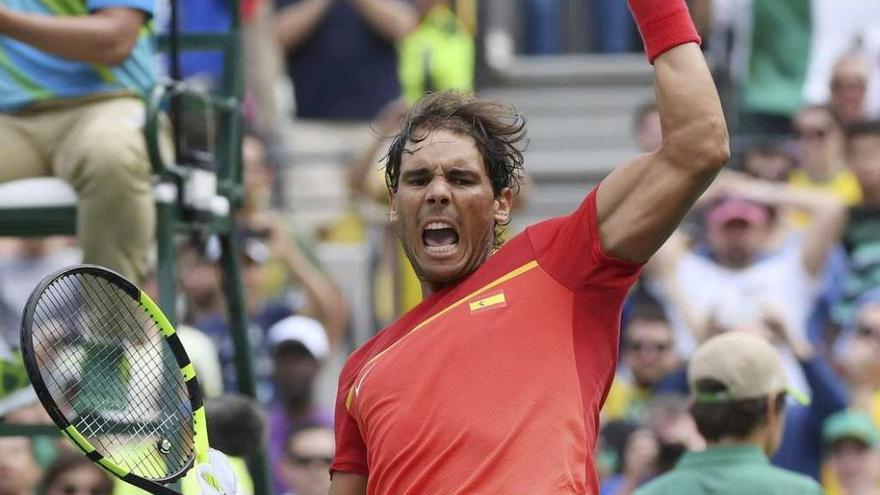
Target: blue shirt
<point x="344" y="70"/>
<point x="29" y="75"/>
<point x="203" y="16"/>
<point x="801" y="447"/>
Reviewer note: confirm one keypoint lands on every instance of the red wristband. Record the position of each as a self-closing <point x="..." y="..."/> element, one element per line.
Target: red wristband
<point x="663" y="24"/>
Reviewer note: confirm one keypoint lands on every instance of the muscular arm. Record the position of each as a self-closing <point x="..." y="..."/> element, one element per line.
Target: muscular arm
<point x="104" y="37"/>
<point x="641" y="203"/>
<point x="325" y="302"/>
<point x="296" y="22"/>
<point x="391" y="19"/>
<point x="348" y="484"/>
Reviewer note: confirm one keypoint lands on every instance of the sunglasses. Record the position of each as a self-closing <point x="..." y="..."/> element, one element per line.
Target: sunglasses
<point x="648" y="346"/>
<point x="311" y="461"/>
<point x="847" y="84"/>
<point x="811" y="134"/>
<point x="866" y="331"/>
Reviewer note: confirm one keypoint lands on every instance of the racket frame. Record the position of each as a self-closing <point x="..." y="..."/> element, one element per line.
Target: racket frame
<point x="169" y="334"/>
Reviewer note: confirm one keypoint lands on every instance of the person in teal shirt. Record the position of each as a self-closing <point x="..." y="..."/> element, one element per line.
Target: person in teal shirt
<point x="739" y="390"/>
<point x="73" y="75"/>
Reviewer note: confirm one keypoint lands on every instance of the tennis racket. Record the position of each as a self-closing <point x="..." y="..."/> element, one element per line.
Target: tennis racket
<point x="111" y="372"/>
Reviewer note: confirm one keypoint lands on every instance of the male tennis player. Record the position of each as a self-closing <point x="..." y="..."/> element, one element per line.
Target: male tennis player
<point x="493" y="384"/>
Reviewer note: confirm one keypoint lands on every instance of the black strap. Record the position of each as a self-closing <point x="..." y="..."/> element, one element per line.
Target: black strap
<point x="176" y="75"/>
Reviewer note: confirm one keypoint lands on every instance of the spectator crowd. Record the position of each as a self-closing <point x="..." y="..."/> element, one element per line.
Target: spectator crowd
<point x="784" y="247"/>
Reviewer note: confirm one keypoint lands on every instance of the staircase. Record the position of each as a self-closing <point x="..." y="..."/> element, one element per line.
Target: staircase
<point x="579" y="112"/>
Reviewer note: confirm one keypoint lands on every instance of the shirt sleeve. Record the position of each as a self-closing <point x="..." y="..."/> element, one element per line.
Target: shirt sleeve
<point x="351" y="451"/>
<point x="146" y="6"/>
<point x="828" y="391"/>
<point x="570" y="250"/>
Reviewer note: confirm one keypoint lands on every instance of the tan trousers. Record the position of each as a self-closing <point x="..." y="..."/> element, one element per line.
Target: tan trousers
<point x="98" y="148"/>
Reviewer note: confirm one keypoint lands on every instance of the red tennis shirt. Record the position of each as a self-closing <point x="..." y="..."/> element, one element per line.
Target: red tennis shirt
<point x="493" y="385"/>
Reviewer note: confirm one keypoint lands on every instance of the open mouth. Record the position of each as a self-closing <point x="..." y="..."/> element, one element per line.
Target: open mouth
<point x="440" y="238"/>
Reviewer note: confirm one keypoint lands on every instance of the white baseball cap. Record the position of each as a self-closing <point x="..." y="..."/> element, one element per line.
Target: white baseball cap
<point x="307" y="331"/>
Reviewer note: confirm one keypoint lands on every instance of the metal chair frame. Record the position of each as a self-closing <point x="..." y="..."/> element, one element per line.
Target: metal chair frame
<point x="173" y="217"/>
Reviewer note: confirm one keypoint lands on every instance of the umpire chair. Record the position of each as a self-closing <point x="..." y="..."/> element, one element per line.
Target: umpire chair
<point x="196" y="195"/>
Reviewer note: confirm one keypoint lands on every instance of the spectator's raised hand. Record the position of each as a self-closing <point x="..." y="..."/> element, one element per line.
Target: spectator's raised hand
<point x="726" y="184"/>
<point x="742" y="186"/>
<point x="390" y="19"/>
<point x="774" y="320"/>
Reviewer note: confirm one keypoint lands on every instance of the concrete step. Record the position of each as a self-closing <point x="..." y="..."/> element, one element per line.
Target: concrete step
<point x="572" y="100"/>
<point x="574" y="165"/>
<point x="579" y="112"/>
<point x="584" y="131"/>
<point x="565" y="70"/>
<point x="551" y="200"/>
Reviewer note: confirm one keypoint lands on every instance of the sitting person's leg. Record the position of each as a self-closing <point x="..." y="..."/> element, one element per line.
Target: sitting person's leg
<point x="21" y="157"/>
<point x="103" y="156"/>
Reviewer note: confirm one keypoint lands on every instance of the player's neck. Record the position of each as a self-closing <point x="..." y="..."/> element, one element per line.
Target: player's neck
<point x="430" y="288"/>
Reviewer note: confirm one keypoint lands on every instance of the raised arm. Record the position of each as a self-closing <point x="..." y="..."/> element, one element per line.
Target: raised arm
<point x="827" y="214"/>
<point x="106" y="36"/>
<point x="325" y="302"/>
<point x="828" y="391"/>
<point x="641" y="203"/>
<point x="391" y="19"/>
<point x="296" y="22"/>
<point x="663" y="267"/>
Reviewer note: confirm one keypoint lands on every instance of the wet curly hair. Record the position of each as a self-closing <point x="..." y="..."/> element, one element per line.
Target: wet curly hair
<point x="498" y="131"/>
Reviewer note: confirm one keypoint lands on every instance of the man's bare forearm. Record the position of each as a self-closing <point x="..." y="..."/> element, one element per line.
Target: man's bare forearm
<point x="324" y="298"/>
<point x="295" y="23"/>
<point x="694" y="131"/>
<point x="392" y="19"/>
<point x="641" y="203"/>
<point x="105" y="37"/>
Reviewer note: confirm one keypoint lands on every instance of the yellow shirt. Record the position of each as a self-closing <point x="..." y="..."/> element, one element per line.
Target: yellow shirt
<point x="438" y="55"/>
<point x="844" y="185"/>
<point x="625" y="401"/>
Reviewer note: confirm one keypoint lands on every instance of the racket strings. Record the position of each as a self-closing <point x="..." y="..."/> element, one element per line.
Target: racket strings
<point x="156" y="365"/>
<point x="96" y="423"/>
<point x="113" y="377"/>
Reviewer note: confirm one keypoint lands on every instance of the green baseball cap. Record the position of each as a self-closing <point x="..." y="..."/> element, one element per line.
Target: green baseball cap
<point x="850" y="425"/>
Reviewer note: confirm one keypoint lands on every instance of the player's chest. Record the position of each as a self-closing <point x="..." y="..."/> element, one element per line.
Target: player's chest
<point x="483" y="348"/>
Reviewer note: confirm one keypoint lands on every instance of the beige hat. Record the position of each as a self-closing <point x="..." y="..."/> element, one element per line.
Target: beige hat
<point x="746" y="364"/>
